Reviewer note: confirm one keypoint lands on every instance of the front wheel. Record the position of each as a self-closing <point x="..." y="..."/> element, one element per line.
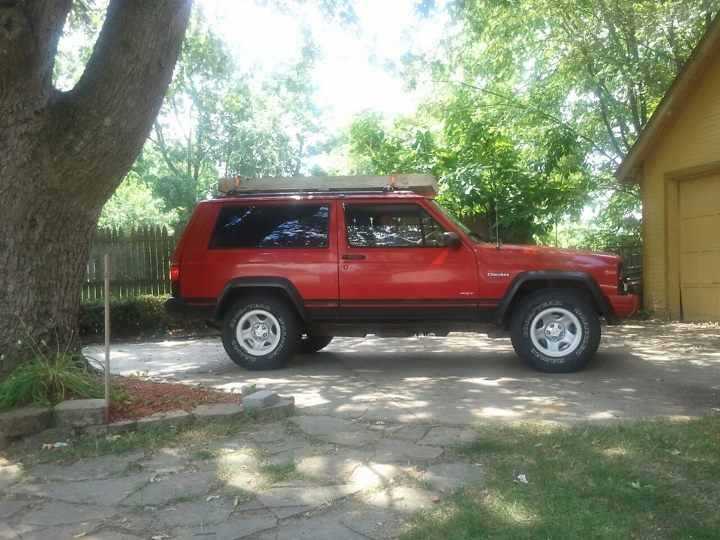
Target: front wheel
<point x="260" y="333"/>
<point x="556" y="330"/>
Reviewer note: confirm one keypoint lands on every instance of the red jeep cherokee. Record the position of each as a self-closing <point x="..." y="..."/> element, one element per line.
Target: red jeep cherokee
<point x="285" y="272"/>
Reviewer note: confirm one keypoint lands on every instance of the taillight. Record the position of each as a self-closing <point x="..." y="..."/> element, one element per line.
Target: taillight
<point x="175" y="279"/>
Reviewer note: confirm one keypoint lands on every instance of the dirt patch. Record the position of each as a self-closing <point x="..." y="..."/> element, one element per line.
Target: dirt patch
<point x="140" y="397"/>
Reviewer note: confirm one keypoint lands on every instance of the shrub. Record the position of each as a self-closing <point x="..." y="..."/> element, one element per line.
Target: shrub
<point x="138" y="316"/>
<point x="49" y="379"/>
<point x="128" y="316"/>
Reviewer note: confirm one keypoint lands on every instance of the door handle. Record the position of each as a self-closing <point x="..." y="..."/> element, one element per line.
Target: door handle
<point x="353" y="257"/>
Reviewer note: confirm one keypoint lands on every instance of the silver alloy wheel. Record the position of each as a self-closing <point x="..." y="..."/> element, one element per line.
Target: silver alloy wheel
<point x="556" y="332"/>
<point x="258" y="332"/>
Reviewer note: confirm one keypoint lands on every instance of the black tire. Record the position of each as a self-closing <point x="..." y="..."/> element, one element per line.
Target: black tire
<point x="288" y="332"/>
<point x="312" y="344"/>
<point x="564" y="300"/>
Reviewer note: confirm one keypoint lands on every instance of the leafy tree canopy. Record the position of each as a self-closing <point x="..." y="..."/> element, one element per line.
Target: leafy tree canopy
<point x="535" y="103"/>
<point x="134" y="205"/>
<point x="486" y="168"/>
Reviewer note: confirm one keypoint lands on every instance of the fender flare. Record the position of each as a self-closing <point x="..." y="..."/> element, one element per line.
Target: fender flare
<point x="553" y="275"/>
<point x="277" y="283"/>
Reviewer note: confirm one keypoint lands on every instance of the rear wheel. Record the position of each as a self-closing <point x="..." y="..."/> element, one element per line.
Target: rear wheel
<point x="556" y="330"/>
<point x="260" y="333"/>
<point x="312" y="344"/>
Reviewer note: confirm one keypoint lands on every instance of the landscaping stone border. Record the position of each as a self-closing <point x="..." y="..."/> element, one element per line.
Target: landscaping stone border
<point x="24" y="421"/>
<point x="86" y="416"/>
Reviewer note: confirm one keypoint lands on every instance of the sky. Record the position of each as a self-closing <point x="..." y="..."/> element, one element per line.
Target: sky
<point x="352" y="74"/>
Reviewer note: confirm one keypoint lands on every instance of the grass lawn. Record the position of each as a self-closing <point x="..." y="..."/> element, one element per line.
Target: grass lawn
<point x="652" y="479"/>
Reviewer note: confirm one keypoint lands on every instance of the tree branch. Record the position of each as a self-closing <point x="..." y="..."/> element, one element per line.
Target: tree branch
<point x="559" y="121"/>
<point x="604" y="96"/>
<point x="29" y="34"/>
<point x="106" y="118"/>
<point x="162" y="147"/>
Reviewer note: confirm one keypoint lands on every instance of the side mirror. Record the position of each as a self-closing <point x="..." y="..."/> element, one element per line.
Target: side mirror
<point x="451" y="240"/>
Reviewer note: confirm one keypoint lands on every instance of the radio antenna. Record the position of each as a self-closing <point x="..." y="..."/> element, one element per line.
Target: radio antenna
<point x="497" y="226"/>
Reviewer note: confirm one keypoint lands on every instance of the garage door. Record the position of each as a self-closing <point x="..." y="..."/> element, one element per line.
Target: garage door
<point x="700" y="248"/>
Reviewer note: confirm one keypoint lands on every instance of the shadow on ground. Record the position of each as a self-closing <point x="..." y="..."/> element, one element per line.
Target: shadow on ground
<point x="641" y="370"/>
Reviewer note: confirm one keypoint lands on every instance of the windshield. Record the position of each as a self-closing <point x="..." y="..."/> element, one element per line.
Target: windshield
<point x="472" y="234"/>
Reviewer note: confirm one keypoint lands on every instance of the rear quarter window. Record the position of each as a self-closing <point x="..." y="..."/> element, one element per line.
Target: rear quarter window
<point x="263" y="226"/>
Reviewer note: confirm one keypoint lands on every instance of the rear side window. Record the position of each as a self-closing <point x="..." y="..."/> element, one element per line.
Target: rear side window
<point x="391" y="225"/>
<point x="287" y="226"/>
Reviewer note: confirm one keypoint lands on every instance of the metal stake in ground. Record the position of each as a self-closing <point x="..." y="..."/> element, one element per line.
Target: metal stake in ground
<point x="107" y="337"/>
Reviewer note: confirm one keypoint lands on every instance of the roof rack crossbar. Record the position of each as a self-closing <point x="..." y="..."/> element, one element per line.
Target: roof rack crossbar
<point x="290" y="192"/>
<point x="419" y="183"/>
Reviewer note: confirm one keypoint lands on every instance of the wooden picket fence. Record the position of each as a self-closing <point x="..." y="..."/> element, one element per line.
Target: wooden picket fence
<point x="140" y="262"/>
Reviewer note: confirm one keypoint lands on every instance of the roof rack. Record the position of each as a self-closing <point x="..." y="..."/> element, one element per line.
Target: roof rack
<point x="422" y="184"/>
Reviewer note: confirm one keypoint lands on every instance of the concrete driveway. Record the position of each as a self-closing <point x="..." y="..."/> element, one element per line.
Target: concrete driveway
<point x="642" y="369"/>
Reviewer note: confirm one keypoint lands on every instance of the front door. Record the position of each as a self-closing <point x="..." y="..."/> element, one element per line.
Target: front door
<point x="394" y="264"/>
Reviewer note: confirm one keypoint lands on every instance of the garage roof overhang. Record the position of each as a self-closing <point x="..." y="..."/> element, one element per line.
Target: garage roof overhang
<point x="671" y="103"/>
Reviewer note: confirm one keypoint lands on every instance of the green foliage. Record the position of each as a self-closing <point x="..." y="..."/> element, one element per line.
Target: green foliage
<point x="131" y="317"/>
<point x="617" y="225"/>
<point x="523" y="177"/>
<point x="218" y="122"/>
<point x="598" y="67"/>
<point x="178" y="161"/>
<point x="47" y="379"/>
<point x="527" y="180"/>
<point x="134" y="205"/>
<point x="541" y="99"/>
<point x="128" y="316"/>
<point x="406" y="146"/>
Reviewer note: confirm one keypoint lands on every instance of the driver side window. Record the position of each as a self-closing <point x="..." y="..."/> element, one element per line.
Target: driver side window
<point x="391" y="225"/>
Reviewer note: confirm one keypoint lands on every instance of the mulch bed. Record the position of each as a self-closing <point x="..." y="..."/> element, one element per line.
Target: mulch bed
<point x="143" y="398"/>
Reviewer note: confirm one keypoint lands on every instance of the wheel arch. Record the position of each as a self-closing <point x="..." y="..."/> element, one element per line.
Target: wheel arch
<point x="526" y="283"/>
<point x="244" y="286"/>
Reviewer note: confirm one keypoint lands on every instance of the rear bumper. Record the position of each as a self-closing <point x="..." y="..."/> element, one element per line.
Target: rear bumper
<point x="178" y="307"/>
<point x="624" y="305"/>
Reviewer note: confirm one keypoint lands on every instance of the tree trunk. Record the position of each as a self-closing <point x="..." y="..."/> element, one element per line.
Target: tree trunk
<point x="62" y="154"/>
<point x="44" y="242"/>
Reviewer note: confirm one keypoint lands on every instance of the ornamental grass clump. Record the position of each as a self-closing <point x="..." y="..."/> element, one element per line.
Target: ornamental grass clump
<point x="48" y="379"/>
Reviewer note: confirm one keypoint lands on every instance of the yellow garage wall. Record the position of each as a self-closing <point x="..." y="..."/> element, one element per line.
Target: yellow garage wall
<point x="691" y="139"/>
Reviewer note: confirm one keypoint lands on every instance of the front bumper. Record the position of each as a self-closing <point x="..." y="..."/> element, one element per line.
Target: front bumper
<point x="624" y="305"/>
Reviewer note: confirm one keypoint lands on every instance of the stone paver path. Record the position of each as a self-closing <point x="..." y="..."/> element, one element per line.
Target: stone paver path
<point x="350" y="479"/>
